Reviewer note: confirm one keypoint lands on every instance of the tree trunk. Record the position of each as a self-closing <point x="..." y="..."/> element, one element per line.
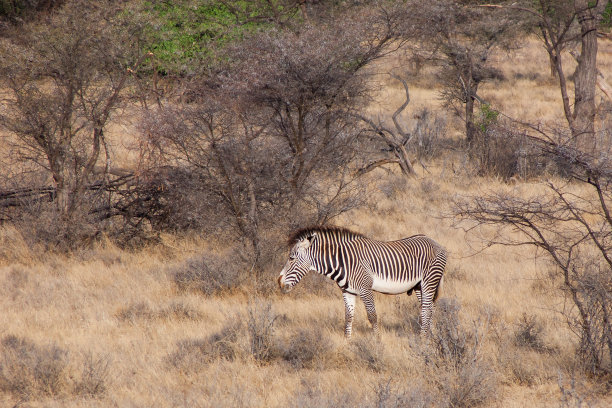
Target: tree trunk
<point x="470" y="129"/>
<point x="586" y="78"/>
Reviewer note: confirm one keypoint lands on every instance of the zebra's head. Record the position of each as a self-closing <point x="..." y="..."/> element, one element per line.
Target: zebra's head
<point x="299" y="263"/>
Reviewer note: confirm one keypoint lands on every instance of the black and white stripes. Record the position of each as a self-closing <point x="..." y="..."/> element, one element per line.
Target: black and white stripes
<point x="360" y="265"/>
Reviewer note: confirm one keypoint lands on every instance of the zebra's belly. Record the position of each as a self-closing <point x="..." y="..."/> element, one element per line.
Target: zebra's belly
<point x="393" y="287"/>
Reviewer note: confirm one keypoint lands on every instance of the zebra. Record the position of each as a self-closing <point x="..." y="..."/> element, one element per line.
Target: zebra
<point x="360" y="266"/>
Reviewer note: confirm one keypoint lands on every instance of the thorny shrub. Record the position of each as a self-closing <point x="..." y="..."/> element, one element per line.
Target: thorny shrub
<point x="210" y="273"/>
<point x="457" y="368"/>
<point x="29" y="371"/>
<point x="191" y="354"/>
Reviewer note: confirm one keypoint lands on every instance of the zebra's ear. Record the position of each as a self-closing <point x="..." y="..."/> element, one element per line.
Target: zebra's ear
<point x="311" y="237"/>
<point x="307" y="240"/>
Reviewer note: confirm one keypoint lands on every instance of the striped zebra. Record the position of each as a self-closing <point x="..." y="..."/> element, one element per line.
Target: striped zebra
<point x="360" y="265"/>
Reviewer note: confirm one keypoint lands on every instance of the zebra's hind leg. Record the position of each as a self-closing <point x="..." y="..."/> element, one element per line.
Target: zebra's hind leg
<point x="349" y="308"/>
<point x="427" y="307"/>
<point x="368" y="300"/>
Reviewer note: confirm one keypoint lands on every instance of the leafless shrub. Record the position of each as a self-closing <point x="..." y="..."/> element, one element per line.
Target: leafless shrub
<point x="429" y="134"/>
<point x="136" y="311"/>
<point x="406" y="314"/>
<point x="317" y="284"/>
<point x="501" y="150"/>
<point x="261" y="320"/>
<point x="457" y="369"/>
<point x="210" y="274"/>
<point x="94" y="378"/>
<point x="310" y="395"/>
<point x="573" y="392"/>
<point x="449" y="337"/>
<point x="28" y="370"/>
<point x="191" y="354"/>
<point x="43" y="227"/>
<point x="143" y="311"/>
<point x="388" y="396"/>
<point x="529" y="334"/>
<point x="180" y="311"/>
<point x="305" y="349"/>
<point x="371" y="351"/>
<point x="518" y="368"/>
<point x="15" y="281"/>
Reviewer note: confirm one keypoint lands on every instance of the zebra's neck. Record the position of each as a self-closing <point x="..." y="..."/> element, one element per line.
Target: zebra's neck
<point x="331" y="260"/>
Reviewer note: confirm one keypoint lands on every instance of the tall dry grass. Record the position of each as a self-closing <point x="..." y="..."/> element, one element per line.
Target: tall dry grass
<point x="111" y="327"/>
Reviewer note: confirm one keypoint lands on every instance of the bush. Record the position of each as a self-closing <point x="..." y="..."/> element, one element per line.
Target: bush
<point x="306" y="349"/>
<point x="387" y="396"/>
<point x="28" y="371"/>
<point x="371" y="351"/>
<point x="457" y="369"/>
<point x="529" y="334"/>
<point x="210" y="274"/>
<point x="429" y="132"/>
<point x="260" y="327"/>
<point x="142" y="311"/>
<point x="193" y="353"/>
<point x="94" y="376"/>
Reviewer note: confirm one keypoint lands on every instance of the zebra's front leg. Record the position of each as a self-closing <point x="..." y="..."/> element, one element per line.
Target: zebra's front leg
<point x="349" y="308"/>
<point x="368" y="300"/>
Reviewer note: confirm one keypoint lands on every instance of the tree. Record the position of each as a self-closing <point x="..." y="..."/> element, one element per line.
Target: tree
<point x="460" y="38"/>
<point x="65" y="77"/>
<point x="270" y="134"/>
<point x="559" y="23"/>
<point x="570" y="222"/>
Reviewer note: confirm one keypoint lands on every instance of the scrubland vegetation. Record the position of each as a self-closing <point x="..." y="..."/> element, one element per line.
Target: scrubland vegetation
<point x="156" y="156"/>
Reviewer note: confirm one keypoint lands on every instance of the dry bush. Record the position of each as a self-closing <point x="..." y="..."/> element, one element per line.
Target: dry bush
<point x="143" y="311"/>
<point x="210" y="274"/>
<point x="578" y="392"/>
<point x="43" y="227"/>
<point x="571" y="223"/>
<point x="191" y="354"/>
<point x="306" y="349"/>
<point x="406" y="315"/>
<point x="529" y="334"/>
<point x="388" y="396"/>
<point x="94" y="378"/>
<point x="502" y="151"/>
<point x="457" y="368"/>
<point x="261" y="320"/>
<point x="317" y="284"/>
<point x="371" y="351"/>
<point x="310" y="395"/>
<point x="429" y="135"/>
<point x="29" y="371"/>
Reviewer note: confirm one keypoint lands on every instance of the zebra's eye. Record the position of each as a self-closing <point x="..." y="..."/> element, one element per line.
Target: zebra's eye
<point x="292" y="256"/>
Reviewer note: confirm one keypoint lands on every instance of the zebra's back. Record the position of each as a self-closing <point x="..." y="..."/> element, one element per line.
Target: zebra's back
<point x="398" y="266"/>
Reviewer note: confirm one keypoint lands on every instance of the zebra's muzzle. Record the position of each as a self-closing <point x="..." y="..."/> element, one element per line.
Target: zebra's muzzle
<point x="281" y="284"/>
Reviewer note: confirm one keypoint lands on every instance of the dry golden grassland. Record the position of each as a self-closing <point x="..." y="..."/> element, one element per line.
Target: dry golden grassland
<point x="108" y="327"/>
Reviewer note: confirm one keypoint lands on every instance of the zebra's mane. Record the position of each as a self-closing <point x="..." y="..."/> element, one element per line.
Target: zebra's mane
<point x="328" y="230"/>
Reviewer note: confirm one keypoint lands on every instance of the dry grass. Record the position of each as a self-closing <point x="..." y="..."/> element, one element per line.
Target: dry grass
<point x="121" y="333"/>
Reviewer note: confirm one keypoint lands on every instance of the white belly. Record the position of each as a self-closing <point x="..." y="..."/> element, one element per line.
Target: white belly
<point x="392" y="287"/>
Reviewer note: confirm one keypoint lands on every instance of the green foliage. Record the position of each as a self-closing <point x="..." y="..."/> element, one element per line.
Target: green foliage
<point x="488" y="116"/>
<point x="606" y="18"/>
<point x="184" y="34"/>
